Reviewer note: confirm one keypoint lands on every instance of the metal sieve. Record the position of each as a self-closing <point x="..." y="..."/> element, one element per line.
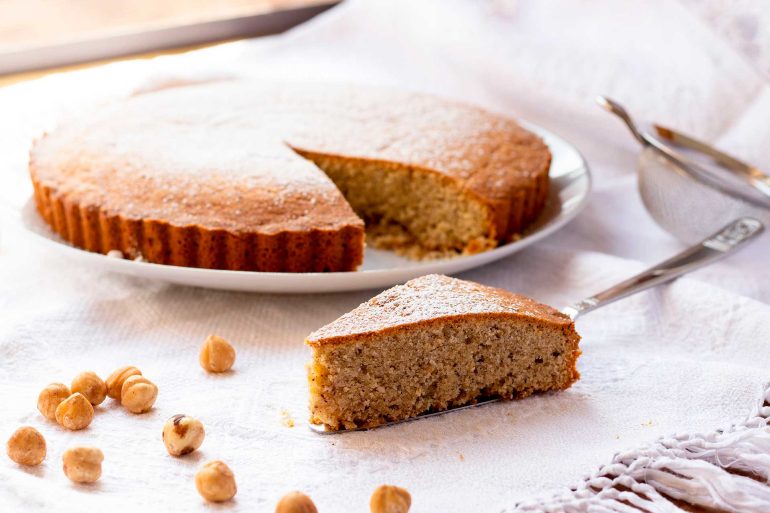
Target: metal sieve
<point x="689" y="187"/>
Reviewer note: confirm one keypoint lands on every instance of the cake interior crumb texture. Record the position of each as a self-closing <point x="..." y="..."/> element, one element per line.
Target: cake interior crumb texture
<point x="432" y="344"/>
<point x="415" y="212"/>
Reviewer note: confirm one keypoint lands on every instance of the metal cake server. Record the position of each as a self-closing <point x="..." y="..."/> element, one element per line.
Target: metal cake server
<point x="697" y="159"/>
<point x="719" y="245"/>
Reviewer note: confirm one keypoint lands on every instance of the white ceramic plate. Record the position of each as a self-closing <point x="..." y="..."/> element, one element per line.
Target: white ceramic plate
<point x="570" y="185"/>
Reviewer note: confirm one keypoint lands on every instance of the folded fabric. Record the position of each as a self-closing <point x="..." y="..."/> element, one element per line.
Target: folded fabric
<point x="721" y="469"/>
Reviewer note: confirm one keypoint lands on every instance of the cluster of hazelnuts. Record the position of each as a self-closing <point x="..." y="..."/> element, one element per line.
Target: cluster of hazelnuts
<point x="73" y="409"/>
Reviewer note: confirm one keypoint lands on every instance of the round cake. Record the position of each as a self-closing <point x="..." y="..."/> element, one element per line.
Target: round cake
<point x="264" y="176"/>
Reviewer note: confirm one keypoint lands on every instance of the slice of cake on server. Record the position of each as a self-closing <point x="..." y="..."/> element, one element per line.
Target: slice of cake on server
<point x="432" y="344"/>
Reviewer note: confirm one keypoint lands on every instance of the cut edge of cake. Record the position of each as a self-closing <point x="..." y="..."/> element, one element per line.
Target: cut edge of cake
<point x="422" y="214"/>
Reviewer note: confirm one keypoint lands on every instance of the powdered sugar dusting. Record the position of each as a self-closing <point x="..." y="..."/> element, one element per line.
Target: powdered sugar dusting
<point x="431" y="297"/>
<point x="190" y="154"/>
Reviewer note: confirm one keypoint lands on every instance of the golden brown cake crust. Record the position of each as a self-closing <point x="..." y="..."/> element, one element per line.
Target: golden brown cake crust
<point x="431" y="299"/>
<point x="205" y="176"/>
<point x="497" y="161"/>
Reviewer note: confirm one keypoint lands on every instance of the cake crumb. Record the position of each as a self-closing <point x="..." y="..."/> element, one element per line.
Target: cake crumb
<point x="286" y="419"/>
<point x="648" y="423"/>
<point x="462" y="457"/>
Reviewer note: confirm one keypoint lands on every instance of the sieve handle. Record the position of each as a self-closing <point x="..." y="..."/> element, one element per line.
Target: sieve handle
<point x="724" y="242"/>
<point x="751" y="176"/>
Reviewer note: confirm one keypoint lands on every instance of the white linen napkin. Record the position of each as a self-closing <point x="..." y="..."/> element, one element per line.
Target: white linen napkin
<point x="689" y="357"/>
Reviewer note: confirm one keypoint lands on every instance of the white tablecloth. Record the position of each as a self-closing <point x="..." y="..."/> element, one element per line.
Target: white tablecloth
<point x="691" y="356"/>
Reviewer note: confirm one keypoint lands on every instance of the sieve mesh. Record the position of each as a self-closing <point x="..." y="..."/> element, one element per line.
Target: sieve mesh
<point x="684" y="207"/>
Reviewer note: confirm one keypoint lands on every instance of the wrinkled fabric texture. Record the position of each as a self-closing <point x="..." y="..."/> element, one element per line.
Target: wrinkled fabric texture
<point x="684" y="358"/>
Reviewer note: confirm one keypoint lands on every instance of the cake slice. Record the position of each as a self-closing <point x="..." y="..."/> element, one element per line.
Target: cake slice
<point x="435" y="343"/>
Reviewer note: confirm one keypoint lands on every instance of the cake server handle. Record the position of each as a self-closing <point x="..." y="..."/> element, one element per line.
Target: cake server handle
<point x="721" y="244"/>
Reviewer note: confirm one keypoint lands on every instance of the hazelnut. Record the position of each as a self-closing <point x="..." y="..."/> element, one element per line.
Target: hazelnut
<point x="138" y="394"/>
<point x="217" y="355"/>
<point x="50" y="397"/>
<point x="182" y="434"/>
<point x="295" y="502"/>
<point x="26" y="446"/>
<point x="115" y="381"/>
<point x="83" y="464"/>
<point x="390" y="499"/>
<point x="215" y="482"/>
<point x="91" y="386"/>
<point x="75" y="412"/>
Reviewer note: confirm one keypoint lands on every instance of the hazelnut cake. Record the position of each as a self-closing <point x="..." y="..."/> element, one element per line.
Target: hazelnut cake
<point x="435" y="343"/>
<point x="264" y="176"/>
